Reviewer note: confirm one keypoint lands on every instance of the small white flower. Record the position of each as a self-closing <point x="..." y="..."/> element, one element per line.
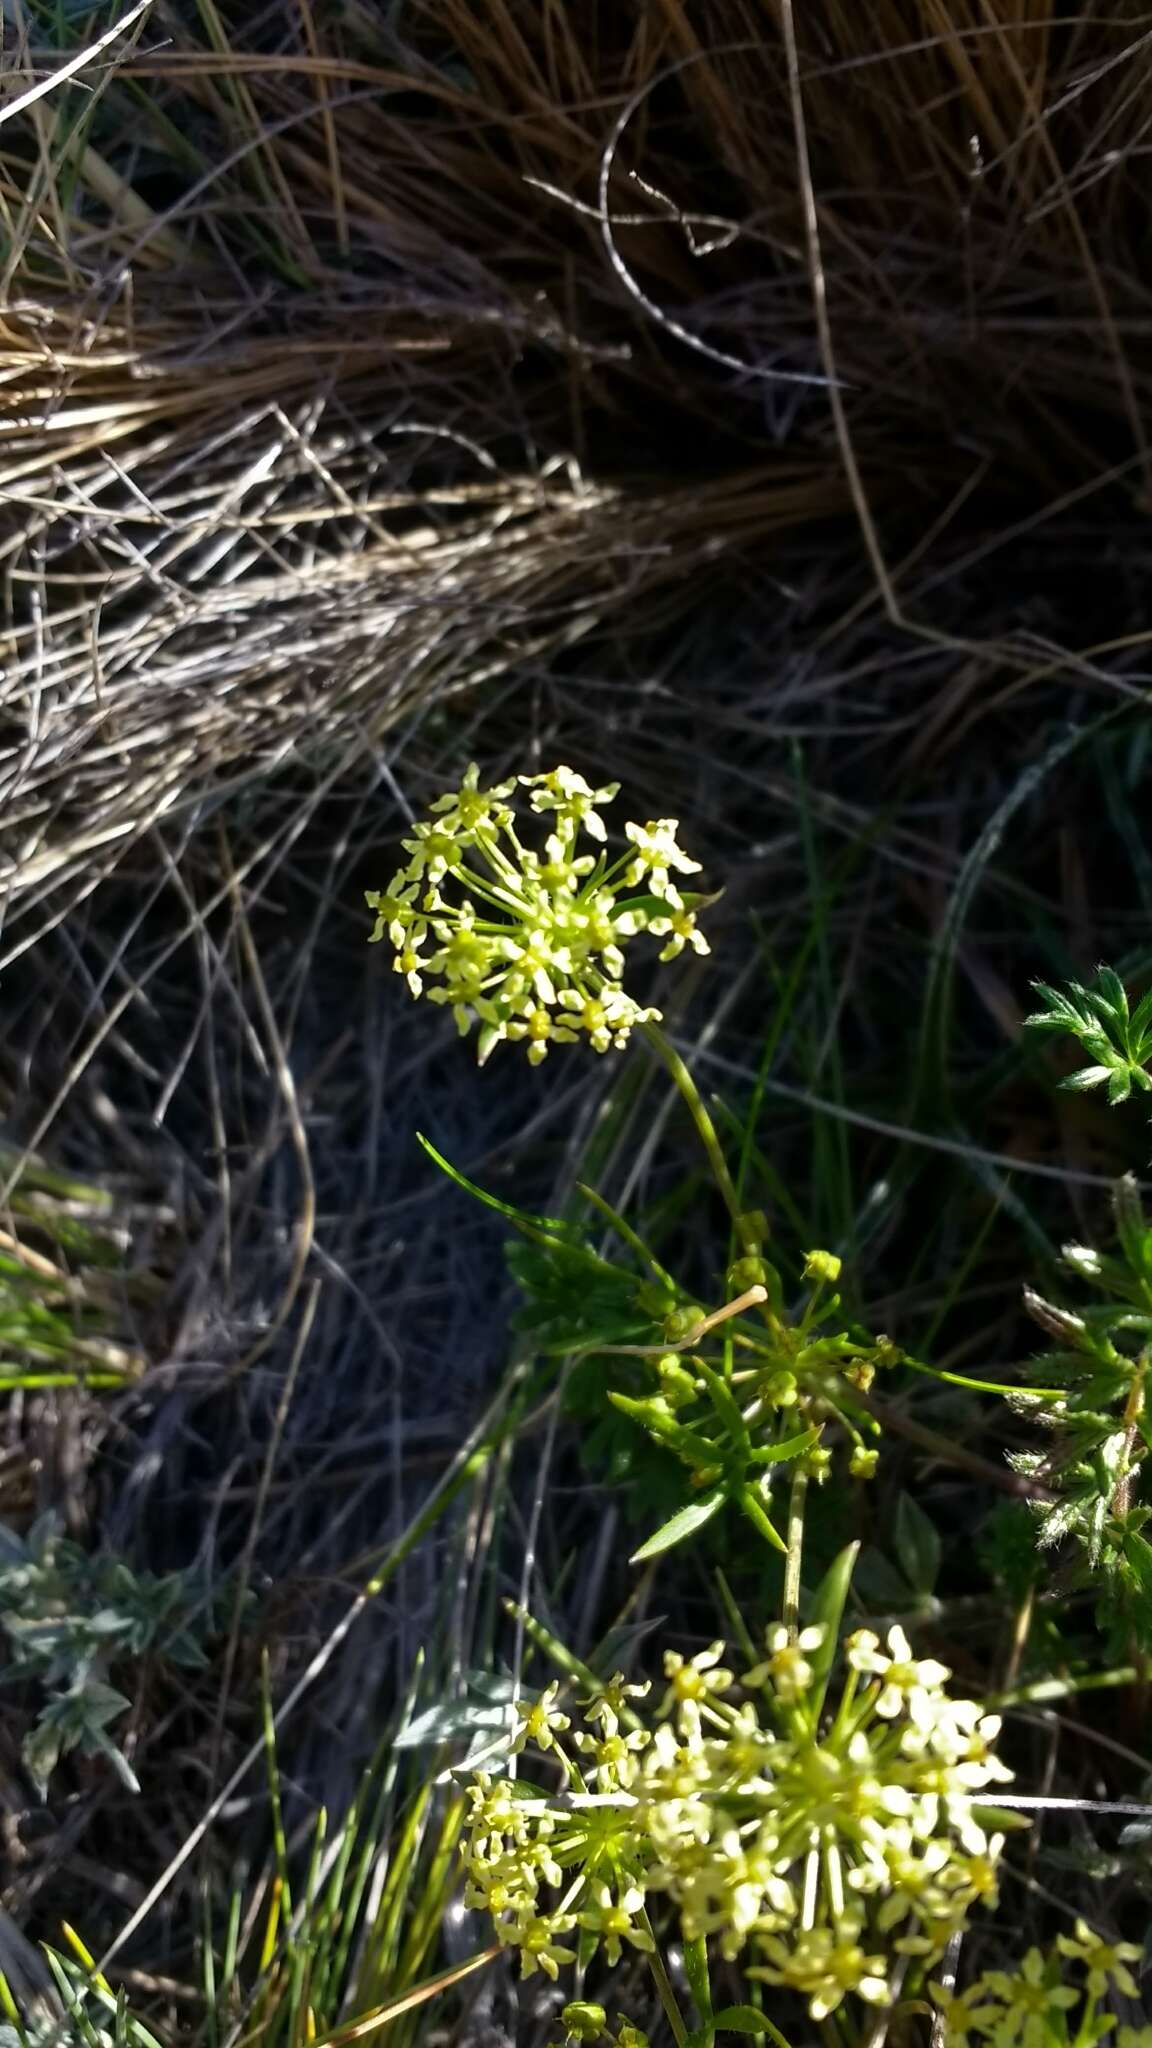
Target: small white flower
<point x="1107" y="1962"/>
<point x="539" y="1720"/>
<point x="684" y="932"/>
<point x="787" y="1668"/>
<point x="658" y="855"/>
<point x="694" y="1678"/>
<point x="562" y="790"/>
<point x="614" y="1920"/>
<point x="908" y="1685"/>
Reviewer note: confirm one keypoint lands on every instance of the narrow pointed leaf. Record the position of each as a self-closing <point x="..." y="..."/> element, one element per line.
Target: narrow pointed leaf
<point x="1141" y="1017"/>
<point x="688" y="1443"/>
<point x="760" y="1521"/>
<point x="1087" y="1077"/>
<point x="917" y="1544"/>
<point x="1112" y="991"/>
<point x="680" y="1526"/>
<point x="726" y="1408"/>
<point x="828" y="1613"/>
<point x="791" y="1447"/>
<point x="548" y="1227"/>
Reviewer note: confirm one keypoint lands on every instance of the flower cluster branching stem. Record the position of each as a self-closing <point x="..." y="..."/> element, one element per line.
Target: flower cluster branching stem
<point x="827" y="1820"/>
<point x="681" y="1074"/>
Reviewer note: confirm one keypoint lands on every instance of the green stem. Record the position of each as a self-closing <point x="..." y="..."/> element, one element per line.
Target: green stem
<point x="11" y="1382"/>
<point x="564" y="1659"/>
<point x="630" y="1237"/>
<point x="660" y="1978"/>
<point x="1043" y="1690"/>
<point x="796" y="1506"/>
<point x="1086" y="2032"/>
<point x="959" y="1379"/>
<point x="508" y="900"/>
<point x="666" y="1051"/>
<point x="700" y="1985"/>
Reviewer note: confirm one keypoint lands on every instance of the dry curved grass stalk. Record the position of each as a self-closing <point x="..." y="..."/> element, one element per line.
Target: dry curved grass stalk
<point x="349" y="363"/>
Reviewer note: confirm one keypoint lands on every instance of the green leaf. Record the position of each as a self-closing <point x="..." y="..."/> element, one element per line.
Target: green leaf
<point x="828" y="1613"/>
<point x="453" y="1719"/>
<point x="1141" y="1018"/>
<point x="680" y="1526"/>
<point x="550" y="1227"/>
<point x="40" y="1752"/>
<point x="1087" y="1077"/>
<point x="737" y="1625"/>
<point x="1061" y="1014"/>
<point x="1109" y="997"/>
<point x="687" y="1443"/>
<point x="747" y="1500"/>
<point x="882" y="1588"/>
<point x="629" y="1236"/>
<point x="1001" y="1818"/>
<point x="1132" y="1226"/>
<point x="1098" y="1018"/>
<point x="917" y="1545"/>
<point x="655" y="906"/>
<point x="1138" y="1559"/>
<point x="740" y="2019"/>
<point x="572" y="1300"/>
<point x="789" y="1447"/>
<point x="722" y="1401"/>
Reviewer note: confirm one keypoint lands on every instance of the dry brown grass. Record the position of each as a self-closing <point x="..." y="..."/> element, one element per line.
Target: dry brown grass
<point x="353" y="358"/>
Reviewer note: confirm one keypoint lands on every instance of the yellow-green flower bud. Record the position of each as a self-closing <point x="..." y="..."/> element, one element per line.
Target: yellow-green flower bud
<point x="583" y="2022"/>
<point x="630" y="2036"/>
<point x="753" y="1228"/>
<point x="655" y="1300"/>
<point x="820" y="1265"/>
<point x="750" y="1271"/>
<point x="681" y="1323"/>
<point x="862" y="1464"/>
<point x="780" y="1390"/>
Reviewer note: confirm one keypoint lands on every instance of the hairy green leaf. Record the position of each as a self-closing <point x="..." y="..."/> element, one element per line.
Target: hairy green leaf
<point x="680" y="1526"/>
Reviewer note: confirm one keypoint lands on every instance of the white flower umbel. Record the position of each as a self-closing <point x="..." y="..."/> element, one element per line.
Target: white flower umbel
<point x="527" y="942"/>
<point x="821" y="1844"/>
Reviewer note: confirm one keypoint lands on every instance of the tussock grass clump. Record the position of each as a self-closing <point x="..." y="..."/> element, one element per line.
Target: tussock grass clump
<point x="351" y="359"/>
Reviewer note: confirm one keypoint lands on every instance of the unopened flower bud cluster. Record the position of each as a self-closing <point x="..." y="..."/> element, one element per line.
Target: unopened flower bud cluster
<point x="528" y="942"/>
